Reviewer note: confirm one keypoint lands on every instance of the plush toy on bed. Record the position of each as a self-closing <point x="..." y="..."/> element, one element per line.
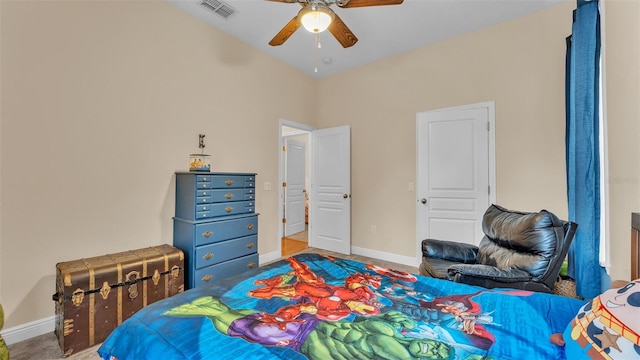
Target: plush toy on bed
<point x="607" y="327"/>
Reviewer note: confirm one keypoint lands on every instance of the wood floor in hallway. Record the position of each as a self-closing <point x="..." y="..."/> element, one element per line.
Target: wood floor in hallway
<point x="295" y="243"/>
<point x="291" y="246"/>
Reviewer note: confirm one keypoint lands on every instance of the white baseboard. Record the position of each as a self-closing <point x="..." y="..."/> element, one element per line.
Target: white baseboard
<point x="46" y="325"/>
<point x="29" y="330"/>
<point x="265" y="258"/>
<point x="381" y="255"/>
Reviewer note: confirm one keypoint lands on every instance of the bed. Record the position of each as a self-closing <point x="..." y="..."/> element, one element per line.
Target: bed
<point x="315" y="307"/>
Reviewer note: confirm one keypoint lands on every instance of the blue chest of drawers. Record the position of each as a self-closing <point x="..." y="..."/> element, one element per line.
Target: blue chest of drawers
<point x="215" y="225"/>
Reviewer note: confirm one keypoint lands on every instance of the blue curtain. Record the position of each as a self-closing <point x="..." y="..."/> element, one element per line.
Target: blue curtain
<point x="582" y="146"/>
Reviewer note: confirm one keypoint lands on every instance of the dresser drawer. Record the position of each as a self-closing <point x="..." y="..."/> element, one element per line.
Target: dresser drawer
<point x="232" y="181"/>
<point x="232" y="195"/>
<point x="203" y="181"/>
<point x="226" y="250"/>
<point x="217" y="196"/>
<point x="206" y="211"/>
<point x="225" y="269"/>
<point x="207" y="233"/>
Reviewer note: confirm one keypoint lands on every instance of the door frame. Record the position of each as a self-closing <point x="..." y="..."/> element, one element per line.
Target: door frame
<point x="420" y="148"/>
<point x="281" y="166"/>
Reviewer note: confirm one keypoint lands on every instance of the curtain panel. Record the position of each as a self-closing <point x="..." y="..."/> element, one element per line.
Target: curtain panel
<point x="582" y="146"/>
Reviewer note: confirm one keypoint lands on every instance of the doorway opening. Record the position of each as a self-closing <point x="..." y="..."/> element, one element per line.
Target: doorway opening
<point x="327" y="181"/>
<point x="295" y="185"/>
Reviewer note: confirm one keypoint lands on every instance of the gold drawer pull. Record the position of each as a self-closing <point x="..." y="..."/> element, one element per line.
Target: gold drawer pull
<point x="229" y="182"/>
<point x="228" y="209"/>
<point x="207" y="234"/>
<point x="207" y="256"/>
<point x="251" y="265"/>
<point x="228" y="196"/>
<point x="250" y="226"/>
<point x="250" y="246"/>
<point x="207" y="278"/>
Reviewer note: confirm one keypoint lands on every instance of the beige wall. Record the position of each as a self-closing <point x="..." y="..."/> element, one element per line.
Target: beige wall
<point x="622" y="42"/>
<point x="520" y="66"/>
<point x="102" y="102"/>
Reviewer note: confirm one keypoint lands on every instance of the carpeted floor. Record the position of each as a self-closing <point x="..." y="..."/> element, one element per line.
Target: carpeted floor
<point x="45" y="347"/>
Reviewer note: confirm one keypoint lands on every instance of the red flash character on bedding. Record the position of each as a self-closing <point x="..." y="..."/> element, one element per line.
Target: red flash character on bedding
<point x="325" y="301"/>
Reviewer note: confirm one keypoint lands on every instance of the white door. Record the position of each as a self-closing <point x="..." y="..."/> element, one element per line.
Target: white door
<point x="330" y="199"/>
<point x="294" y="189"/>
<point x="455" y="172"/>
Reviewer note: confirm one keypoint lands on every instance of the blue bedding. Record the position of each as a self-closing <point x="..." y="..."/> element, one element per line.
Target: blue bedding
<point x="315" y="307"/>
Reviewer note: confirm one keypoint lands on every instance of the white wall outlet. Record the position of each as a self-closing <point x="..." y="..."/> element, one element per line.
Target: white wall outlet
<point x="412" y="186"/>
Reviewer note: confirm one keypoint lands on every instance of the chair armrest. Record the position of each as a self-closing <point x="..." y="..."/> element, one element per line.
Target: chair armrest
<point x="481" y="271"/>
<point x="450" y="251"/>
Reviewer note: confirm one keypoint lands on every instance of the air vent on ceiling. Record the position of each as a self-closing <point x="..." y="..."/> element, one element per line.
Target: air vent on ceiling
<point x="219" y="7"/>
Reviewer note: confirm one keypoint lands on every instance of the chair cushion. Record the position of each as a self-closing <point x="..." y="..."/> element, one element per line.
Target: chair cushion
<point x="520" y="240"/>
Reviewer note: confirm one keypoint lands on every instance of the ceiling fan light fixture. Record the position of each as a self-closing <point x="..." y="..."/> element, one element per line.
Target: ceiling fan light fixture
<point x="315" y="18"/>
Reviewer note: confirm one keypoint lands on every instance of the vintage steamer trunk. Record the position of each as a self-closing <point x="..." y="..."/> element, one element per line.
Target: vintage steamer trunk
<point x="95" y="295"/>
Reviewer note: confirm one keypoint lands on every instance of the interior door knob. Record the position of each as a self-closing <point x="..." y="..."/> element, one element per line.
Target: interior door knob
<point x="424" y="201"/>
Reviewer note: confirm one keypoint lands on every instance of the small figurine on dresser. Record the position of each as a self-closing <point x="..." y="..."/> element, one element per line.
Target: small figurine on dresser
<point x="202" y="161"/>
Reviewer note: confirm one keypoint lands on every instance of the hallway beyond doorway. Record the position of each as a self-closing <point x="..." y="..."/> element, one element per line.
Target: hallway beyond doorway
<point x="295" y="242"/>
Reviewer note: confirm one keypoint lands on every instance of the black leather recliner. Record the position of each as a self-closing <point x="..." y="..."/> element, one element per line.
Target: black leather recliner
<point x="520" y="250"/>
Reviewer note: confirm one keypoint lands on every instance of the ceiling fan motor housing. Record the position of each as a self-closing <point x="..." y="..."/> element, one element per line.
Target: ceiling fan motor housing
<point x="315" y="17"/>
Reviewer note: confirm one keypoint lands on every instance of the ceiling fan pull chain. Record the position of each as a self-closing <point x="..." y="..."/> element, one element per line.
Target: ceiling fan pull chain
<point x="315" y="52"/>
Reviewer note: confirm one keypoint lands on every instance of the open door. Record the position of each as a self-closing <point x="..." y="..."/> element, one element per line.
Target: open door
<point x="330" y="199"/>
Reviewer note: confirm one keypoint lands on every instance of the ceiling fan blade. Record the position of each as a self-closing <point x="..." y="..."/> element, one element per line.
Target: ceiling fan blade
<point x="341" y="32"/>
<point x="362" y="3"/>
<point x="286" y="32"/>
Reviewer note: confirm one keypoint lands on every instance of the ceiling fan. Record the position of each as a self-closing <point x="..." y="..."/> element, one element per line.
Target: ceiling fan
<point x="316" y="16"/>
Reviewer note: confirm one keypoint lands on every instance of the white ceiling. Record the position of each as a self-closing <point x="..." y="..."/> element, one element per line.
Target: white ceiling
<point x="382" y="31"/>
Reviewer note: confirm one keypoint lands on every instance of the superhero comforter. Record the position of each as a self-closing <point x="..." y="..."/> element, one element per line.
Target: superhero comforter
<point x="315" y="307"/>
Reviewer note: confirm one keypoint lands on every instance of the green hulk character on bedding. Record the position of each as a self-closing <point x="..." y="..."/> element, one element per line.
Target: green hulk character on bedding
<point x="365" y="338"/>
